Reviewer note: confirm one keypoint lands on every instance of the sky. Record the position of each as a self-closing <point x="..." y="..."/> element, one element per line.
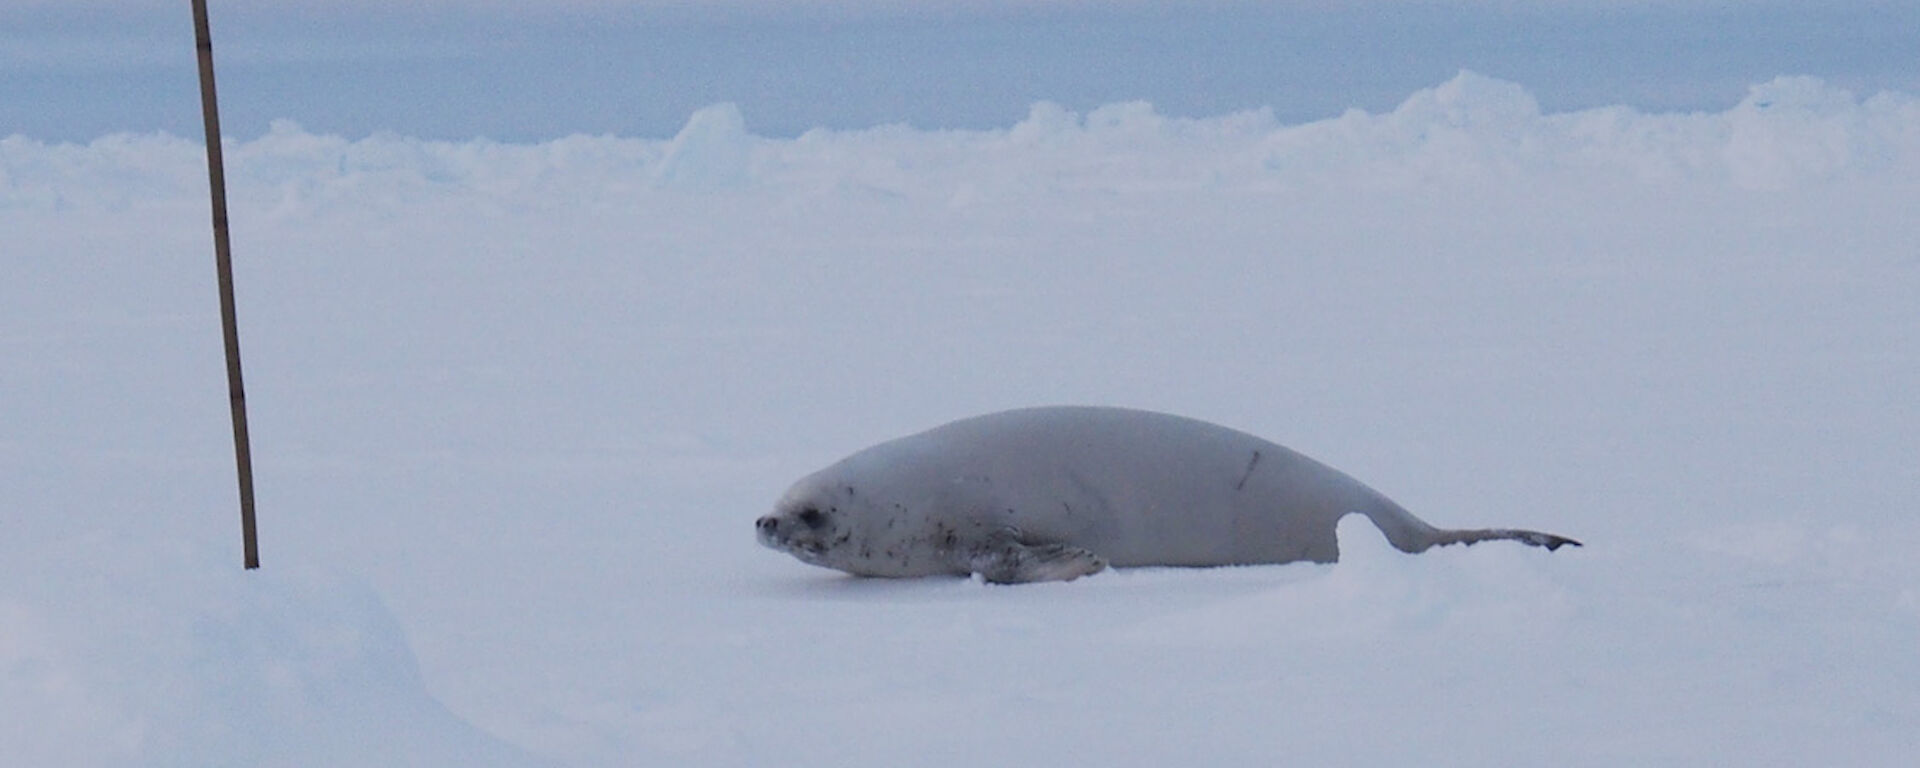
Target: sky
<point x="461" y="69"/>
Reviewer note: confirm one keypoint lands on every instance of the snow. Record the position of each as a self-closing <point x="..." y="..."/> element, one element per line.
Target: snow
<point x="516" y="406"/>
<point x="160" y="655"/>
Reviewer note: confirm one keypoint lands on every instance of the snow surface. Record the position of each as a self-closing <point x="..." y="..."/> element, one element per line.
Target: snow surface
<point x="516" y="406"/>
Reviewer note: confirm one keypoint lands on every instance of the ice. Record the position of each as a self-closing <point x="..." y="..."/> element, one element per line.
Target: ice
<point x="516" y="406"/>
<point x="713" y="149"/>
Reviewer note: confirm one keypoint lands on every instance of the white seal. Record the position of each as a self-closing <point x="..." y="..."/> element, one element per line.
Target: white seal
<point x="1052" y="494"/>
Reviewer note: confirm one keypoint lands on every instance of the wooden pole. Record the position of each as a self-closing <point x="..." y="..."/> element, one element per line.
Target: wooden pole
<point x="223" y="261"/>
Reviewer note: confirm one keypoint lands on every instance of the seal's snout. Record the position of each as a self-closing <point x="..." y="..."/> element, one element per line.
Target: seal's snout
<point x="767" y="530"/>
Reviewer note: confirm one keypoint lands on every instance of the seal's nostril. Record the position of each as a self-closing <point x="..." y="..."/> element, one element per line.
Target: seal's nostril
<point x="765" y="523"/>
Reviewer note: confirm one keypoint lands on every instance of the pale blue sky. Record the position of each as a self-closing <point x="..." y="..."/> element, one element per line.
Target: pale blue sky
<point x="457" y="69"/>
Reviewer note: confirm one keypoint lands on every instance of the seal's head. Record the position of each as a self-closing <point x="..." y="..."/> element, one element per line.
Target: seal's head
<point x="807" y="525"/>
<point x="889" y="518"/>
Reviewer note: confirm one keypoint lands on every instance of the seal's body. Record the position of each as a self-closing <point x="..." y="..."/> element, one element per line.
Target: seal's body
<point x="1055" y="493"/>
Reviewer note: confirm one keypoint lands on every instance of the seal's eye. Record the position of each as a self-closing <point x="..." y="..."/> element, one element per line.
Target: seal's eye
<point x="812" y="517"/>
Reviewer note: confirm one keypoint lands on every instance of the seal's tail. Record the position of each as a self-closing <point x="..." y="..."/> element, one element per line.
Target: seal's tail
<point x="1550" y="541"/>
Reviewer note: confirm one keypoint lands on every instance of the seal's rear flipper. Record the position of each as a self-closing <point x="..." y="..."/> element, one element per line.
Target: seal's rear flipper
<point x="1005" y="560"/>
<point x="1548" y="540"/>
<point x="1536" y="538"/>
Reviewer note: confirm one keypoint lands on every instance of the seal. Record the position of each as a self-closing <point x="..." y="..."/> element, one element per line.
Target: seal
<point x="1056" y="493"/>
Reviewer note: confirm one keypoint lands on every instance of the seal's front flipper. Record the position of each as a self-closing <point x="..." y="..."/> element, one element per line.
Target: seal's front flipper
<point x="1006" y="560"/>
